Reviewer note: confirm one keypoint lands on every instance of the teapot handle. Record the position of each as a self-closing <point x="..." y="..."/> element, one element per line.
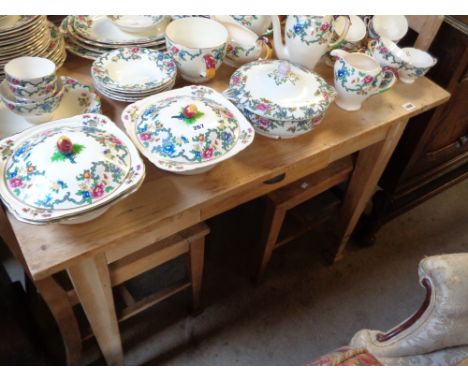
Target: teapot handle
<point x="343" y="35"/>
<point x="267" y="49"/>
<point x="388" y="81"/>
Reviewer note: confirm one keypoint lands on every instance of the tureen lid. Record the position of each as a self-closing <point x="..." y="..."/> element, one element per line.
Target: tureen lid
<point x="280" y="90"/>
<point x="187" y="129"/>
<point x="70" y="165"/>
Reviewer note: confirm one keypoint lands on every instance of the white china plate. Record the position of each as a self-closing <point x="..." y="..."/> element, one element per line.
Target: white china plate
<point x="132" y="114"/>
<point x="136" y="23"/>
<point x="77" y="99"/>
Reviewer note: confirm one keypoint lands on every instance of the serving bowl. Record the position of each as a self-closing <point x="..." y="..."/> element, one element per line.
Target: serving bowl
<point x="281" y="100"/>
<point x="188" y="130"/>
<point x="70" y="170"/>
<point x="34" y="111"/>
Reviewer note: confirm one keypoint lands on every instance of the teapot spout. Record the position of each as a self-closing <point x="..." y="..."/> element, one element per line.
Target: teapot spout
<point x="280" y="48"/>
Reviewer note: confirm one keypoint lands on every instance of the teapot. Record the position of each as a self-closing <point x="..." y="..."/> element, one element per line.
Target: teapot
<point x="307" y="38"/>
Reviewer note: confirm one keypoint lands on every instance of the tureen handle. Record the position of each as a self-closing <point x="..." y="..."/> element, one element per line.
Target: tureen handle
<point x="64" y="145"/>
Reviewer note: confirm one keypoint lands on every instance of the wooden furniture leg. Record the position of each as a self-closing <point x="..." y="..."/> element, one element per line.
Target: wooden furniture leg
<point x="370" y="165"/>
<point x="274" y="217"/>
<point x="91" y="280"/>
<point x="57" y="300"/>
<point x="196" y="261"/>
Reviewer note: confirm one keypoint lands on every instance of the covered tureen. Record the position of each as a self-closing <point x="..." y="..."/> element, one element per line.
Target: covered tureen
<point x="69" y="170"/>
<point x="281" y="99"/>
<point x="187" y="130"/>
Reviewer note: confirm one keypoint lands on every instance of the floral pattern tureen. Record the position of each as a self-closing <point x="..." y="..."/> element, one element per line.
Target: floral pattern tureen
<point x="187" y="130"/>
<point x="66" y="168"/>
<point x="281" y="99"/>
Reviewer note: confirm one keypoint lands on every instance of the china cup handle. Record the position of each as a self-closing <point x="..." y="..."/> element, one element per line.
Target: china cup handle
<point x="371" y="45"/>
<point x="388" y="80"/>
<point x="267" y="49"/>
<point x="210" y="67"/>
<point x="343" y="35"/>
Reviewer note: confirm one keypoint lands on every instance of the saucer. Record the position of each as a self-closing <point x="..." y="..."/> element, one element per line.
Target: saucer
<point x="77" y="99"/>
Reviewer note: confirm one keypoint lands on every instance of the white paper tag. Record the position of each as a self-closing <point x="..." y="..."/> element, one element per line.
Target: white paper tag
<point x="408" y="106"/>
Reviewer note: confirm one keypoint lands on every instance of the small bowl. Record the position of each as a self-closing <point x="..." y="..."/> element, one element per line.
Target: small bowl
<point x="136" y="23"/>
<point x="30" y="71"/>
<point x="417" y="64"/>
<point x="392" y="27"/>
<point x="33" y="111"/>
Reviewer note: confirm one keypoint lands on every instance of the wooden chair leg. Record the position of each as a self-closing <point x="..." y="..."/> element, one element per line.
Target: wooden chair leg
<point x="274" y="217"/>
<point x="196" y="263"/>
<point x="57" y="300"/>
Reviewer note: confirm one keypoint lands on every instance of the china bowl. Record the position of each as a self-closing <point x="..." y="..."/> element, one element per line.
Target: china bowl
<point x="33" y="111"/>
<point x="136" y="23"/>
<point x="188" y="130"/>
<point x="70" y="170"/>
<point x="417" y="64"/>
<point x="30" y="71"/>
<point x="280" y="99"/>
<point x="392" y="27"/>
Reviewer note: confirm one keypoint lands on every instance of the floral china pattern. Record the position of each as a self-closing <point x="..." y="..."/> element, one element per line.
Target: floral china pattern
<point x="239" y="92"/>
<point x="271" y="126"/>
<point x="41" y="83"/>
<point x="282" y="78"/>
<point x="97" y="181"/>
<point x="355" y="81"/>
<point x="180" y="54"/>
<point x="247" y="20"/>
<point x="87" y="98"/>
<point x="186" y="144"/>
<point x="310" y="30"/>
<point x="244" y="137"/>
<point x="94" y="182"/>
<point x="238" y="51"/>
<point x="163" y="64"/>
<point x="37" y="108"/>
<point x="383" y="55"/>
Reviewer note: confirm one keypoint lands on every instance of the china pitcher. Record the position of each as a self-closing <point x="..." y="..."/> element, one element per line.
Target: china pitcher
<point x="357" y="77"/>
<point x="307" y="38"/>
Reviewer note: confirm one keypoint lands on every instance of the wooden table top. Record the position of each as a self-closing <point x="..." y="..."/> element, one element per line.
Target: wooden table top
<point x="167" y="200"/>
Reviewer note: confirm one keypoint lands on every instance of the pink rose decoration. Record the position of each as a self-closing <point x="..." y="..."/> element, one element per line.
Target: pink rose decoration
<point x="235" y="80"/>
<point x="261" y="107"/>
<point x="69" y="81"/>
<point x="368" y="79"/>
<point x="324" y="27"/>
<point x="174" y="49"/>
<point x="97" y="191"/>
<point x="15" y="82"/>
<point x="11" y="106"/>
<point x="208" y="153"/>
<point x="263" y="121"/>
<point x="16" y="182"/>
<point x="135" y="50"/>
<point x="145" y="136"/>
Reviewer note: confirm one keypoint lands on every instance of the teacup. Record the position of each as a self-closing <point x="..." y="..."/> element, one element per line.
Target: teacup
<point x="392" y="27"/>
<point x="356" y="32"/>
<point x="386" y="53"/>
<point x="357" y="77"/>
<point x="198" y="46"/>
<point x="417" y="64"/>
<point x="258" y="24"/>
<point x="32" y="111"/>
<point x="245" y="46"/>
<point x="31" y="78"/>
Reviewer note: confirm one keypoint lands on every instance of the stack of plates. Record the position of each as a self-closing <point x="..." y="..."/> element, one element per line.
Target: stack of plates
<point x="29" y="36"/>
<point x="130" y="74"/>
<point x="91" y="36"/>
